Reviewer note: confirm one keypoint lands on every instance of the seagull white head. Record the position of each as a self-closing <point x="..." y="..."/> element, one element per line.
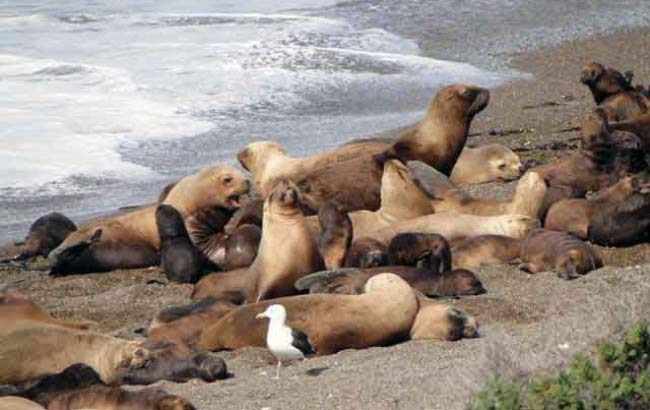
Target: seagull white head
<point x="274" y="312"/>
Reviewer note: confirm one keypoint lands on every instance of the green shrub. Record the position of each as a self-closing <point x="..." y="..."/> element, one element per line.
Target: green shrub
<point x="621" y="381"/>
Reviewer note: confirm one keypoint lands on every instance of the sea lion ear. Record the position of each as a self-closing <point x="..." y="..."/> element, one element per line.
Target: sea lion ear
<point x="96" y="236"/>
<point x="243" y="156"/>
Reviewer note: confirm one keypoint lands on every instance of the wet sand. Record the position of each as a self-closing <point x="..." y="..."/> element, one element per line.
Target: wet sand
<point x="529" y="322"/>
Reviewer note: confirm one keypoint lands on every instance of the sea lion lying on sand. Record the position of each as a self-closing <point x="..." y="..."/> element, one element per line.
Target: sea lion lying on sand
<point x="384" y="314"/>
<point x="485" y="250"/>
<point x="544" y="250"/>
<point x="366" y="253"/>
<point x="420" y="250"/>
<point x="132" y="239"/>
<point x="229" y="285"/>
<point x="615" y="216"/>
<point x="487" y="163"/>
<point x="45" y="234"/>
<point x="440" y="321"/>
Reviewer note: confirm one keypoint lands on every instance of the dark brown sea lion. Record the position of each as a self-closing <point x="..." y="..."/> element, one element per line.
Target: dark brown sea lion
<point x="439" y="139"/>
<point x="487" y="163"/>
<point x="45" y="234"/>
<point x="366" y="253"/>
<point x="132" y="239"/>
<point x="485" y="250"/>
<point x="287" y="250"/>
<point x="420" y="250"/>
<point x="544" y="250"/>
<point x="603" y="82"/>
<point x="180" y="260"/>
<point x="596" y="133"/>
<point x="615" y="216"/>
<point x="382" y="315"/>
<point x="639" y="126"/>
<point x="335" y="234"/>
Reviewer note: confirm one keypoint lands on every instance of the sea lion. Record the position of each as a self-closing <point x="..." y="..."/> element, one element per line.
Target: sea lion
<point x="185" y="324"/>
<point x="15" y="306"/>
<point x="366" y="253"/>
<point x="482" y="250"/>
<point x="439" y="321"/>
<point x="426" y="280"/>
<point x="251" y="213"/>
<point x="335" y="234"/>
<point x="639" y="126"/>
<point x="112" y="398"/>
<point x="487" y="163"/>
<point x="419" y="249"/>
<point x="180" y="261"/>
<point x="439" y="139"/>
<point x="18" y="403"/>
<point x="544" y="250"/>
<point x="384" y="314"/>
<point x="287" y="250"/>
<point x="45" y="234"/>
<point x="458" y="226"/>
<point x="229" y="285"/>
<point x="132" y="239"/>
<point x="614" y="216"/>
<point x="598" y="136"/>
<point x="603" y="82"/>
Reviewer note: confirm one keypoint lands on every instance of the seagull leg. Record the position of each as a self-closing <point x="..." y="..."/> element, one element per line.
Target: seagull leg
<point x="277" y="371"/>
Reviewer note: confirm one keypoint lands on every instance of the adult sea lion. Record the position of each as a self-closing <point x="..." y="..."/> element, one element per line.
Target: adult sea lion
<point x="419" y="249"/>
<point x="384" y="314"/>
<point x="335" y="234"/>
<point x="603" y="82"/>
<point x="544" y="250"/>
<point x="180" y="261"/>
<point x="482" y="250"/>
<point x="45" y="234"/>
<point x="287" y="250"/>
<point x="132" y="239"/>
<point x="366" y="253"/>
<point x="487" y="163"/>
<point x="231" y="285"/>
<point x="614" y="216"/>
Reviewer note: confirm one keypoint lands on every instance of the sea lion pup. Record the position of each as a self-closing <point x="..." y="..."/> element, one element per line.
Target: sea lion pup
<point x="487" y="163"/>
<point x="132" y="239"/>
<point x="16" y="306"/>
<point x="45" y="234"/>
<point x="439" y="139"/>
<point x="384" y="314"/>
<point x="459" y="226"/>
<point x="484" y="250"/>
<point x="366" y="253"/>
<point x="180" y="261"/>
<point x="614" y="216"/>
<point x="335" y="234"/>
<point x="420" y="250"/>
<point x="439" y="321"/>
<point x="427" y="280"/>
<point x="603" y="82"/>
<point x="639" y="126"/>
<point x="185" y="324"/>
<point x="112" y="398"/>
<point x="544" y="250"/>
<point x="287" y="250"/>
<point x="596" y="133"/>
<point x="231" y="285"/>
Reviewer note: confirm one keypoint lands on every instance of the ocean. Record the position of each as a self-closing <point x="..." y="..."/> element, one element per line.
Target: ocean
<point x="104" y="102"/>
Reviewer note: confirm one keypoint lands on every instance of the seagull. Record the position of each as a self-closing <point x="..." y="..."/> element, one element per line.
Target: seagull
<point x="285" y="343"/>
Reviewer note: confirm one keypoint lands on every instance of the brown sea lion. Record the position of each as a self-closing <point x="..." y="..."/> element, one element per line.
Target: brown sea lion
<point x="439" y="321"/>
<point x="544" y="250"/>
<point x="45" y="234"/>
<point x="614" y="216"/>
<point x="420" y="250"/>
<point x="487" y="163"/>
<point x="603" y="82"/>
<point x="384" y="314"/>
<point x="112" y="398"/>
<point x="597" y="134"/>
<point x="16" y="306"/>
<point x="185" y="324"/>
<point x="366" y="253"/>
<point x="132" y="239"/>
<point x="427" y="280"/>
<point x="229" y="285"/>
<point x="287" y="250"/>
<point x="439" y="139"/>
<point x="639" y="126"/>
<point x="251" y="213"/>
<point x="180" y="260"/>
<point x="484" y="250"/>
<point x="335" y="234"/>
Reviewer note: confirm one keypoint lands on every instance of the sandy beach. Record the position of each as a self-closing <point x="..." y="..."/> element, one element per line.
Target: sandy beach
<point x="530" y="323"/>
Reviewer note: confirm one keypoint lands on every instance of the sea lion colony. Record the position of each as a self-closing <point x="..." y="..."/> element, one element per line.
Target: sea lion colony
<point x="355" y="243"/>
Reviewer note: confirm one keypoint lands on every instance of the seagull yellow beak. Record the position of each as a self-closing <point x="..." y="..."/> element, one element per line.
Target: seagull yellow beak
<point x="260" y="316"/>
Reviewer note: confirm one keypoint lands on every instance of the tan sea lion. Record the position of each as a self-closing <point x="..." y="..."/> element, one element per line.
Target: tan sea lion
<point x="287" y="251"/>
<point x="440" y="321"/>
<point x="544" y="250"/>
<point x="482" y="250"/>
<point x="614" y="216"/>
<point x="384" y="314"/>
<point x="487" y="163"/>
<point x="132" y="239"/>
<point x="18" y="403"/>
<point x="335" y="234"/>
<point x="229" y="285"/>
<point x="419" y="249"/>
<point x="366" y="253"/>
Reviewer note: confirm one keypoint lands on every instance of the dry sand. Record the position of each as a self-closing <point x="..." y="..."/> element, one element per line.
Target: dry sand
<point x="529" y="322"/>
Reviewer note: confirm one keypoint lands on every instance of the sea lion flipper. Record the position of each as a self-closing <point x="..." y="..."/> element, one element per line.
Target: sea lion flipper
<point x="322" y="278"/>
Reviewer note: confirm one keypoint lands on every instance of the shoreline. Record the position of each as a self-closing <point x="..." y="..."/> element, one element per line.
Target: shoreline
<point x="524" y="317"/>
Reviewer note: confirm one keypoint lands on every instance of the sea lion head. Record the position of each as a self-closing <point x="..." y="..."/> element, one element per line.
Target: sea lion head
<point x="575" y="262"/>
<point x="170" y="222"/>
<point x="503" y="163"/>
<point x="366" y="253"/>
<point x="462" y="100"/>
<point x="284" y="199"/>
<point x="173" y="402"/>
<point x="459" y="282"/>
<point x="253" y="156"/>
<point x="591" y="73"/>
<point x="221" y="185"/>
<point x="151" y="361"/>
<point x="442" y="322"/>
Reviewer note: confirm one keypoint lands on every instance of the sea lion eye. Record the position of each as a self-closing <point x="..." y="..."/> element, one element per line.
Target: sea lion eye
<point x="501" y="166"/>
<point x="467" y="93"/>
<point x="227" y="179"/>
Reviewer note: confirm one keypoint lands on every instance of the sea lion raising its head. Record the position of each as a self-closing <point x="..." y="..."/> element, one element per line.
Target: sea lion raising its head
<point x="603" y="82"/>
